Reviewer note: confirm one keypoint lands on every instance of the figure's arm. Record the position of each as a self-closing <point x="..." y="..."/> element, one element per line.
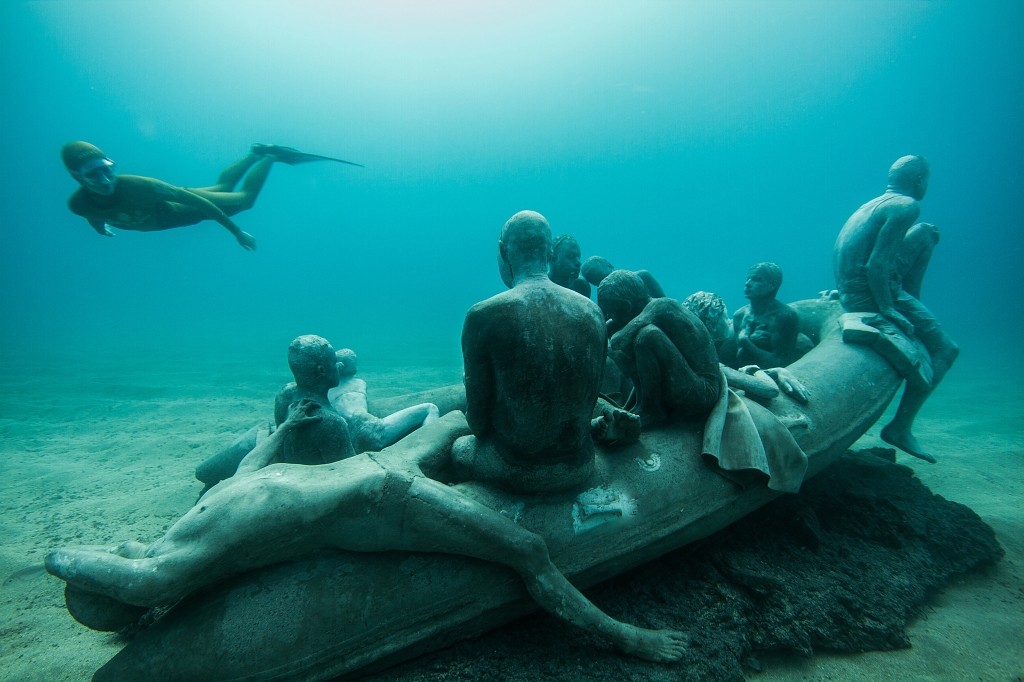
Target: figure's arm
<point x="80" y="208"/>
<point x="789" y="384"/>
<point x="752" y="380"/>
<point x="882" y="262"/>
<point x="210" y="211"/>
<point x="479" y="374"/>
<point x="267" y="450"/>
<point x="620" y="346"/>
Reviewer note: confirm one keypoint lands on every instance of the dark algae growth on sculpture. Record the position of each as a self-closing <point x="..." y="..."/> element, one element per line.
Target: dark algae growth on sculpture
<point x="740" y="396"/>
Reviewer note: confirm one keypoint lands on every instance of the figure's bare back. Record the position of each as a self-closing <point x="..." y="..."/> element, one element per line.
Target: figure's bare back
<point x="546" y="348"/>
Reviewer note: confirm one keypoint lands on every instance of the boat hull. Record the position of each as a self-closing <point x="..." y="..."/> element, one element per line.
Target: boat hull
<point x="343" y="614"/>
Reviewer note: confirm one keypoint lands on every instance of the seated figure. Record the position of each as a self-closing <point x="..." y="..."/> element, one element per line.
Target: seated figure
<point x="388" y="501"/>
<point x="767" y="329"/>
<point x="762" y="384"/>
<point x="564" y="265"/>
<point x="533" y="359"/>
<point x="314" y="365"/>
<point x="880" y="258"/>
<point x="664" y="348"/>
<point x="327" y="378"/>
<point x="370" y="433"/>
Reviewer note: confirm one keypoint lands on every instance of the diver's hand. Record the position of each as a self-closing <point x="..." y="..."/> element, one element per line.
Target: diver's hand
<point x="788" y="384"/>
<point x="247" y="241"/>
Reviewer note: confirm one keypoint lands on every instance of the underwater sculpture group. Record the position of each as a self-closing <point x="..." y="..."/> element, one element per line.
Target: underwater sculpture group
<point x="539" y="475"/>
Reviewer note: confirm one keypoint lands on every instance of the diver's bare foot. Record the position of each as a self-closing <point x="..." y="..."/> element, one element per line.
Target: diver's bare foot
<point x="906" y="442"/>
<point x="660" y="646"/>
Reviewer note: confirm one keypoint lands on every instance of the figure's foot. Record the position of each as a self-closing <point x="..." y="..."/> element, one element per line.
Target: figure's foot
<point x="96" y="569"/>
<point x="906" y="442"/>
<point x="660" y="646"/>
<point x="616" y="427"/>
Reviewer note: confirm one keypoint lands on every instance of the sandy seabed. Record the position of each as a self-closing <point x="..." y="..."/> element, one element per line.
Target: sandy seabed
<point x="103" y="451"/>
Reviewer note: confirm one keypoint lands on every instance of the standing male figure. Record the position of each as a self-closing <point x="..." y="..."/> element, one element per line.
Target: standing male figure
<point x="534" y="356"/>
<point x="879" y="264"/>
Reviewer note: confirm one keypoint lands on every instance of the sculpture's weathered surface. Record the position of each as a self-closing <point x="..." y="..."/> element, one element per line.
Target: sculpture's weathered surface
<point x="533" y="357"/>
<point x="644" y="499"/>
<point x="596" y="268"/>
<point x="347" y="427"/>
<point x="388" y="501"/>
<point x="663" y="348"/>
<point x="314" y="365"/>
<point x="766" y="329"/>
<point x="371" y="433"/>
<point x="564" y="265"/>
<point x="879" y="265"/>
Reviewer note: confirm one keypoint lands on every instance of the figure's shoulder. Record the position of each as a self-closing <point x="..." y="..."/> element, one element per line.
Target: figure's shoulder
<point x="351" y="385"/>
<point x="901" y="205"/>
<point x="784" y="310"/>
<point x="287" y="391"/>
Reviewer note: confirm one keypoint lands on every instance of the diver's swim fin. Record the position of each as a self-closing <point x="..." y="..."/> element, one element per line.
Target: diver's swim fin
<point x="293" y="156"/>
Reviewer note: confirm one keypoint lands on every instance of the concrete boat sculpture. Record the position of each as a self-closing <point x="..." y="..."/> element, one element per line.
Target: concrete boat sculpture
<point x="343" y="614"/>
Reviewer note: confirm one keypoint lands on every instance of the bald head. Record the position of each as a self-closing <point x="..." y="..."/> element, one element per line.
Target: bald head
<point x="622" y="295"/>
<point x="595" y="269"/>
<point x="525" y="242"/>
<point x="312" y="361"/>
<point x="909" y="175"/>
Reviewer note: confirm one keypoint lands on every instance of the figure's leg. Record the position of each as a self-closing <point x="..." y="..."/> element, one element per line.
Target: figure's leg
<point x="668" y="382"/>
<point x="235" y="202"/>
<point x="915" y="254"/>
<point x="943" y="352"/>
<point x="439" y="519"/>
<point x="233" y="174"/>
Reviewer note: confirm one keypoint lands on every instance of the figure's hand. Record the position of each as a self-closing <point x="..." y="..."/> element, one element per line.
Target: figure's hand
<point x="749" y="369"/>
<point x="788" y="384"/>
<point x="761" y="338"/>
<point x="304" y="412"/>
<point x="897" y="319"/>
<point x="247" y="241"/>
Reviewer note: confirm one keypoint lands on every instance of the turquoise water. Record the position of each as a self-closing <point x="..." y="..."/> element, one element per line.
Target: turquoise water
<point x="689" y="138"/>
